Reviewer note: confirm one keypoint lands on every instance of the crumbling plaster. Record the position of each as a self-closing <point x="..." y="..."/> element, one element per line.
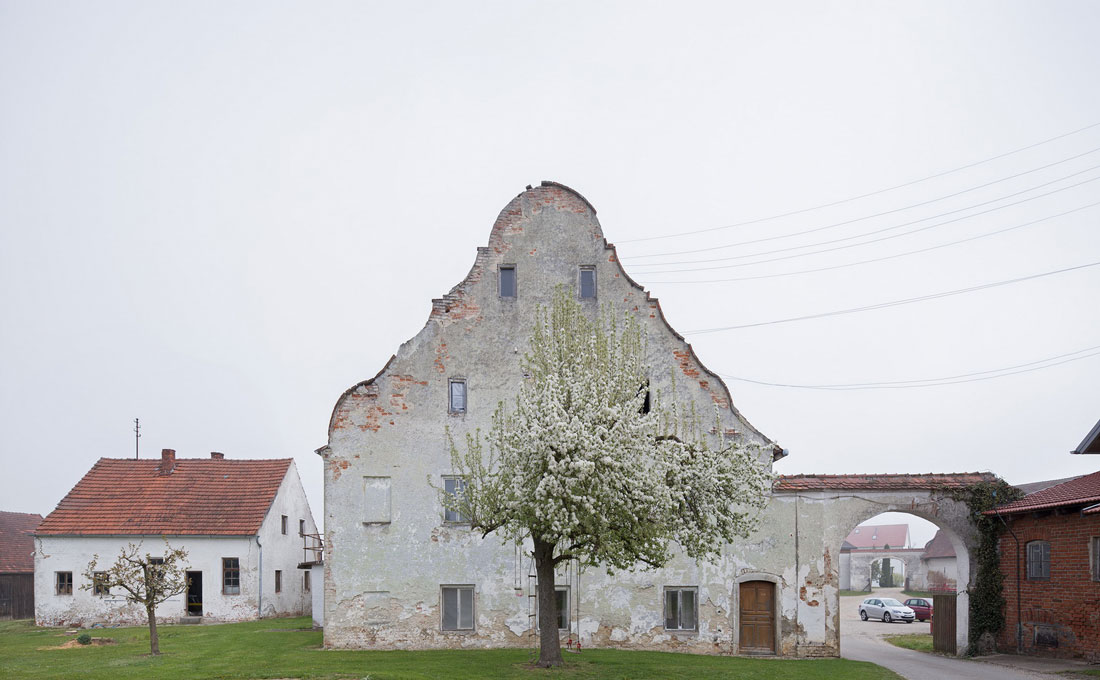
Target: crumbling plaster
<point x="383" y="579"/>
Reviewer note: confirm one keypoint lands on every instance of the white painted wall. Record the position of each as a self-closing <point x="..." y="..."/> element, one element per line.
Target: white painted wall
<point x="204" y="553"/>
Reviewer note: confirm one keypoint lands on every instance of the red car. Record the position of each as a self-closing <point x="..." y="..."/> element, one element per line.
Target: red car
<point x="921" y="607"/>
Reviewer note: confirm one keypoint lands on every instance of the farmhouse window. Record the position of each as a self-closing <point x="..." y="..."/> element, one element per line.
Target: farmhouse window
<point x="681" y="609"/>
<point x="306" y="585"/>
<point x="99" y="583"/>
<point x="508" y="281"/>
<point x="1038" y="560"/>
<point x="283" y="524"/>
<point x="458" y="395"/>
<point x="454" y="486"/>
<point x="301" y="527"/>
<point x="588" y="283"/>
<point x="231" y="575"/>
<point x="458" y="607"/>
<point x="64" y="582"/>
<point x="1094" y="555"/>
<point x="278" y="581"/>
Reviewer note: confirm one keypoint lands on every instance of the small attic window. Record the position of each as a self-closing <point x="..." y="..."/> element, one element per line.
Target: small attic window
<point x="508" y="280"/>
<point x="588" y="282"/>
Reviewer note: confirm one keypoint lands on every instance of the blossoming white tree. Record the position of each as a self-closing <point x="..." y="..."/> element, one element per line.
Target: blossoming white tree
<point x="590" y="468"/>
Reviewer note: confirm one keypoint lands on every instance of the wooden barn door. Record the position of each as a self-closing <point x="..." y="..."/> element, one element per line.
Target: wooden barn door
<point x="757" y="618"/>
<point x="943" y="623"/>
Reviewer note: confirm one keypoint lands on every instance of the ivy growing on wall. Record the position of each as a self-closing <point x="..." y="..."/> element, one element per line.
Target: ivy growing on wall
<point x="987" y="602"/>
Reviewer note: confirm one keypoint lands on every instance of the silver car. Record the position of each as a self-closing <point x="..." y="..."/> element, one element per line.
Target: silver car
<point x="886" y="608"/>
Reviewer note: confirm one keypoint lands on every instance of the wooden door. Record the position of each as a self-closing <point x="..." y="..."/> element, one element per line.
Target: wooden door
<point x="757" y="617"/>
<point x="943" y="623"/>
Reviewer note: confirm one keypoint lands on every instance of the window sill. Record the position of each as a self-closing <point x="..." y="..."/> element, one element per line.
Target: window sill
<point x="459" y="632"/>
<point x="377" y="524"/>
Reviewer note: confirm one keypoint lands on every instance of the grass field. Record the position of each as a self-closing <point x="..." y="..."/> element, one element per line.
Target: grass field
<point x="285" y="648"/>
<point x="921" y="642"/>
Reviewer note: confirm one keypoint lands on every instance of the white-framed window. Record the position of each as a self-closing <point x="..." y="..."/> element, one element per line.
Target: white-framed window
<point x="454" y="486"/>
<point x="457" y="610"/>
<point x="1094" y="557"/>
<point x="1038" y="560"/>
<point x="457" y="395"/>
<point x="63" y="581"/>
<point x="587" y="282"/>
<point x="681" y="608"/>
<point x="508" y="284"/>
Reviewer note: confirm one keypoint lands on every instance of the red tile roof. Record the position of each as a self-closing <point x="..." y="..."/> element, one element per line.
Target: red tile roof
<point x="939" y="546"/>
<point x="953" y="480"/>
<point x="1083" y="490"/>
<point x="879" y="536"/>
<point x="17" y="542"/>
<point x="200" y="497"/>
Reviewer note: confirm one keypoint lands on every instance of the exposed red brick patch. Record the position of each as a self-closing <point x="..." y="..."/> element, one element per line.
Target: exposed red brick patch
<point x="683" y="357"/>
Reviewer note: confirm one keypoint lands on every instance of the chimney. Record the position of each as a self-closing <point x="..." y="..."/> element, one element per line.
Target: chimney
<point x="167" y="461"/>
<point x="217" y="456"/>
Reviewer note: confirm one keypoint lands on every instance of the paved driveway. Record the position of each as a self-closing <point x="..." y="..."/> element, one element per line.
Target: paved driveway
<point x="862" y="641"/>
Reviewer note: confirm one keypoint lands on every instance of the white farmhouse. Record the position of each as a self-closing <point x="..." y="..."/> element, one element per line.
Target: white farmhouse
<point x="401" y="573"/>
<point x="243" y="524"/>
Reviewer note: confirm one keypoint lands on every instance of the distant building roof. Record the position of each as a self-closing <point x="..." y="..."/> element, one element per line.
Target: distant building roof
<point x="879" y="536"/>
<point x="185" y="497"/>
<point x="1091" y="442"/>
<point x="17" y="542"/>
<point x="954" y="480"/>
<point x="1032" y="487"/>
<point x="939" y="546"/>
<point x="1084" y="490"/>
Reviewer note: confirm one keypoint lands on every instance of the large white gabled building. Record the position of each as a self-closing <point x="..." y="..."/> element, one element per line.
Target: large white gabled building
<point x="243" y="524"/>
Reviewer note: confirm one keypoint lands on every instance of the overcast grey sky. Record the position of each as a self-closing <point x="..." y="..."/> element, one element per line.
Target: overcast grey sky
<point x="218" y="216"/>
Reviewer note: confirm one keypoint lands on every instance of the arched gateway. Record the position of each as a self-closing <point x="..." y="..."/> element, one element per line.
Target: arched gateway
<point x="824" y="508"/>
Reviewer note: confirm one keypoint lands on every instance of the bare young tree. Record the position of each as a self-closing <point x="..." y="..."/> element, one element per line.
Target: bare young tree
<point x="146" y="579"/>
<point x="590" y="471"/>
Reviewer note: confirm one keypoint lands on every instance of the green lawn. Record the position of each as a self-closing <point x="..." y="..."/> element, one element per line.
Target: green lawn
<point x="922" y="642"/>
<point x="272" y="648"/>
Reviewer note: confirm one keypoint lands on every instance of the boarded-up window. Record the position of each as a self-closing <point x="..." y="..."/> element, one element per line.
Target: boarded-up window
<point x="231" y="575"/>
<point x="458" y="607"/>
<point x="64" y="580"/>
<point x="1038" y="560"/>
<point x="508" y="281"/>
<point x="376" y="500"/>
<point x="454" y="486"/>
<point x="681" y="609"/>
<point x="588" y="283"/>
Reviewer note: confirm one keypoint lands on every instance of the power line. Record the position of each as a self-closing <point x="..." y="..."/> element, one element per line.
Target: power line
<point x="882" y="229"/>
<point x="889" y="212"/>
<point x="869" y="233"/>
<point x="869" y="194"/>
<point x="945" y="380"/>
<point x="894" y="303"/>
<point x="878" y="259"/>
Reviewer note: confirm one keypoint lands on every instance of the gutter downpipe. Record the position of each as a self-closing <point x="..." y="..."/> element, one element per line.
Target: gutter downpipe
<point x="260" y="599"/>
<point x="1019" y="621"/>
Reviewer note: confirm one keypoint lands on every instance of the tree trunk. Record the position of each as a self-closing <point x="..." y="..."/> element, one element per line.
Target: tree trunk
<point x="154" y="642"/>
<point x="549" y="642"/>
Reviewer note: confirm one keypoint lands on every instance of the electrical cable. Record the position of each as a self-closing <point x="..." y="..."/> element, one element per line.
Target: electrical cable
<point x="945" y="380"/>
<point x="872" y="193"/>
<point x="876" y="259"/>
<point x="893" y="303"/>
<point x="886" y="212"/>
<point x="880" y="230"/>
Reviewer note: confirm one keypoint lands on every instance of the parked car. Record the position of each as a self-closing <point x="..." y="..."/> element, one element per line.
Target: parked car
<point x="886" y="608"/>
<point x="921" y="607"/>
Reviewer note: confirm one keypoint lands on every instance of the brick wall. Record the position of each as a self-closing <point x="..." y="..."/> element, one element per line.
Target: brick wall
<point x="1061" y="615"/>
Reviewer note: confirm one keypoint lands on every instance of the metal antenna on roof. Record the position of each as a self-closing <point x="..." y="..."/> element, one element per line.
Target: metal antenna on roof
<point x="137" y="436"/>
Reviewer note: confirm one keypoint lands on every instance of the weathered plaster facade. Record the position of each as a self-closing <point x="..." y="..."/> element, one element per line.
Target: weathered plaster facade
<point x="260" y="556"/>
<point x="388" y="549"/>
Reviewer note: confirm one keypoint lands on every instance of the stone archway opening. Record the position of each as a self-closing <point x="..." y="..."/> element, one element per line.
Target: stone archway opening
<point x="828" y="507"/>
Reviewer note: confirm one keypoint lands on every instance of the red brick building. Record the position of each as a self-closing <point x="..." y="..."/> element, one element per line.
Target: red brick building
<point x="1050" y="558"/>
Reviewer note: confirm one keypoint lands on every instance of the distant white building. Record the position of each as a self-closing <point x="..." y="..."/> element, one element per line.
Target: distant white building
<point x="243" y="524"/>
